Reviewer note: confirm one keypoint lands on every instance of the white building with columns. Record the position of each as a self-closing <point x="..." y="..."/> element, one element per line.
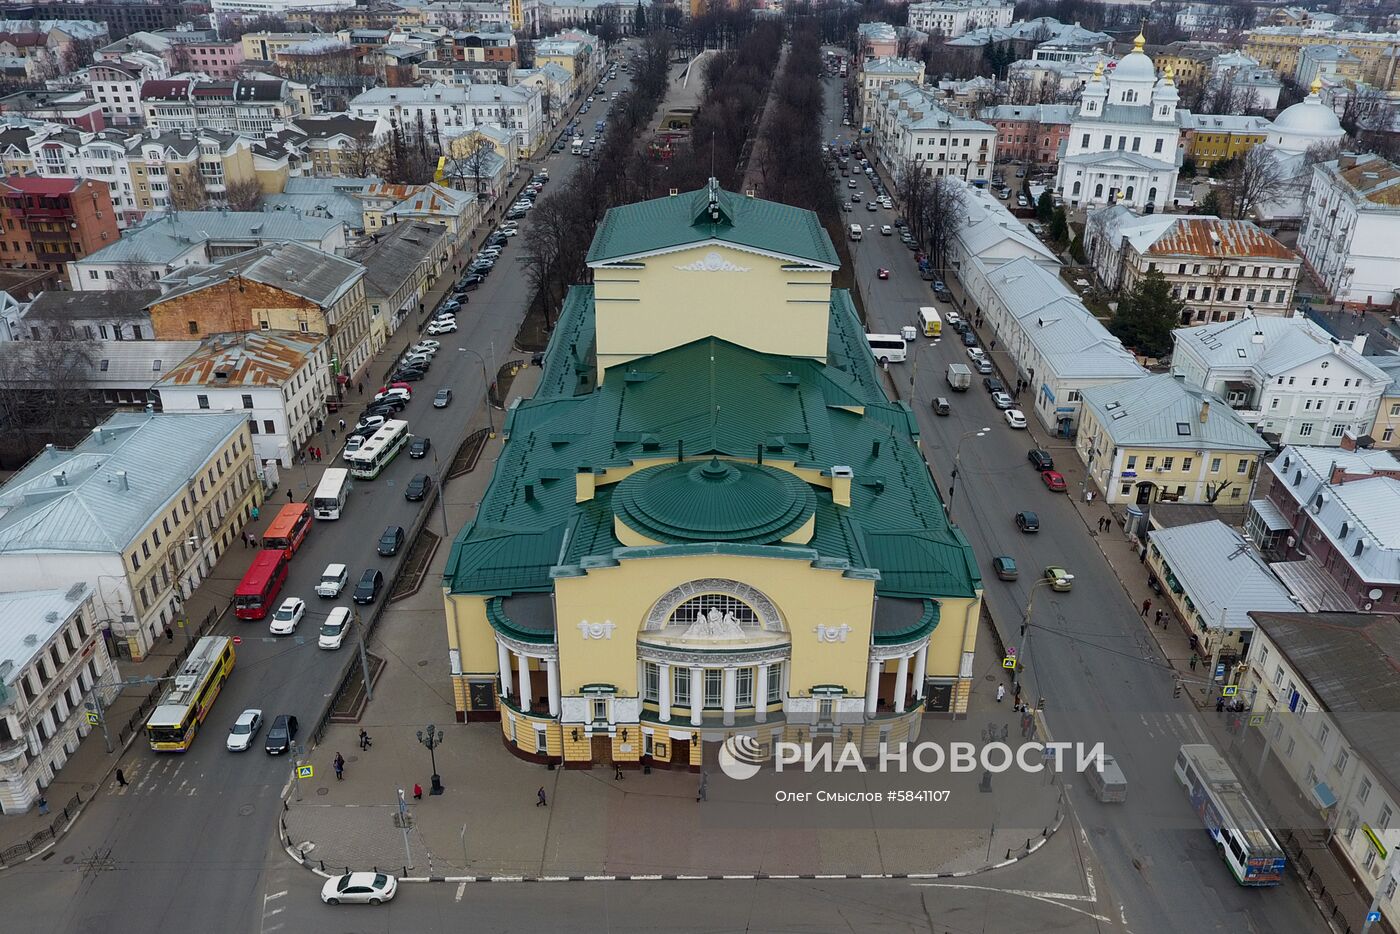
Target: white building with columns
<point x="1122" y="145"/>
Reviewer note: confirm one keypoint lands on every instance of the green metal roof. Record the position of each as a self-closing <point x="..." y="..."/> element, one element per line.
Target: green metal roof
<point x="711" y="214"/>
<point x="708" y="399"/>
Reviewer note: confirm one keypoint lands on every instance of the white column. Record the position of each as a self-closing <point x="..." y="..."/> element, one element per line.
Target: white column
<point x="760" y="695"/>
<point x="524" y="662"/>
<point x="697" y="696"/>
<point x="730" y="678"/>
<point x="901" y="683"/>
<point x="503" y="662"/>
<point x="920" y="664"/>
<point x="664" y="675"/>
<point x="551" y="668"/>
<point x="872" y="687"/>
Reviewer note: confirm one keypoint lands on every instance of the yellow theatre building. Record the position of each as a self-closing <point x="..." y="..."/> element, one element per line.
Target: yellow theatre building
<point x="710" y="520"/>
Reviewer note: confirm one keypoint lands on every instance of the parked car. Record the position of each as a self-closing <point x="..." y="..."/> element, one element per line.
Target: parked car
<point x="471" y="282"/>
<point x="426" y="345"/>
<point x="886" y="230"/>
<point x="371" y="888"/>
<point x="1005" y="567"/>
<point x="969" y="339"/>
<point x="409" y="374"/>
<point x="1040" y="460"/>
<point x="372" y="422"/>
<point x="1027" y="521"/>
<point x="386" y="408"/>
<point x="333" y="580"/>
<point x="950" y="316"/>
<point x="882" y="273"/>
<point x="983" y="366"/>
<point x="335" y="627"/>
<point x="394" y="392"/>
<point x="1002" y="401"/>
<point x="443" y="399"/>
<point x="281" y="734"/>
<point x="419" y="446"/>
<point x="442" y="327"/>
<point x="1054" y="481"/>
<point x="368" y="588"/>
<point x="285" y="619"/>
<point x="993" y="385"/>
<point x="244" y="730"/>
<point x="939" y="289"/>
<point x="1015" y="418"/>
<point x="418" y="487"/>
<point x="976" y="353"/>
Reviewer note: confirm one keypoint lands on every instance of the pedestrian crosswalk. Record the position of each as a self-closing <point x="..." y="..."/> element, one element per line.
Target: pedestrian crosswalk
<point x="180" y="776"/>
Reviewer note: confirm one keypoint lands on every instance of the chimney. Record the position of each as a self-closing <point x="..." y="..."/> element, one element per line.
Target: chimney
<point x="1205" y="411"/>
<point x="841" y="485"/>
<point x="120" y="477"/>
<point x="1337" y="475"/>
<point x="60" y="478"/>
<point x="1358" y="343"/>
<point x="584" y="485"/>
<point x="1257" y="337"/>
<point x="1348" y="442"/>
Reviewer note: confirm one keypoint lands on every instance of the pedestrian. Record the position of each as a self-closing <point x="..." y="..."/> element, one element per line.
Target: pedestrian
<point x="702" y="793"/>
<point x="255" y="514"/>
<point x="43" y="805"/>
<point x="1142" y="556"/>
<point x="417" y="792"/>
<point x="121" y="779"/>
<point x="617" y="771"/>
<point x="1001" y="692"/>
<point x="994" y="345"/>
<point x="365" y="741"/>
<point x="540" y="800"/>
<point x="318" y="453"/>
<point x="360" y="390"/>
<point x="342" y="424"/>
<point x="1193" y="661"/>
<point x="332" y="434"/>
<point x="1157" y="618"/>
<point x="169" y="636"/>
<point x="1146" y="605"/>
<point x="320" y="424"/>
<point x="245" y="540"/>
<point x="339" y="767"/>
<point x="252" y="540"/>
<point x="290" y="497"/>
<point x="1219" y="704"/>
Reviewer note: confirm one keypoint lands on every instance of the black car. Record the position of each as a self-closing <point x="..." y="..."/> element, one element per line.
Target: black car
<point x="418" y="487"/>
<point x="366" y="432"/>
<point x="470" y="282"/>
<point x="281" y="734"/>
<point x="969" y="339"/>
<point x="410" y="374"/>
<point x="1027" y="521"/>
<point x="1041" y="460"/>
<point x="391" y="541"/>
<point x="386" y="408"/>
<point x="993" y="384"/>
<point x="515" y="215"/>
<point x="497" y="239"/>
<point x="368" y="588"/>
<point x="419" y="447"/>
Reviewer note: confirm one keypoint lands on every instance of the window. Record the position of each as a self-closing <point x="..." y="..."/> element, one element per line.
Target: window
<point x="1186" y="463"/>
<point x="743" y="688"/>
<point x="247" y="401"/>
<point x="1215" y="465"/>
<point x="1338" y="430"/>
<point x="252" y="426"/>
<point x="1305" y="429"/>
<point x="269" y="428"/>
<point x="775" y="683"/>
<point x="1343" y="758"/>
<point x="1147" y="465"/>
<point x="653" y="681"/>
<point x="1383" y="822"/>
<point x="682" y="687"/>
<point x="1323" y="732"/>
<point x="1364" y="790"/>
<point x="1132" y="462"/>
<point x="714" y="687"/>
<point x="1167" y="463"/>
<point x="1157" y="147"/>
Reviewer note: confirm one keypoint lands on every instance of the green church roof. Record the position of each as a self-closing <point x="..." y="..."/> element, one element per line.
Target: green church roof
<point x="710" y="401"/>
<point x="711" y="213"/>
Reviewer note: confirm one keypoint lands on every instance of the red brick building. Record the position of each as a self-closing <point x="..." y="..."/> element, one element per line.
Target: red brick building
<point x="1029" y="131"/>
<point x="48" y="222"/>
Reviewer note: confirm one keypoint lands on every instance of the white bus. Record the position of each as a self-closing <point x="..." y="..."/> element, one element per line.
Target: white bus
<point x="887" y="348"/>
<point x="331" y="493"/>
<point x="381" y="448"/>
<point x="1240" y="834"/>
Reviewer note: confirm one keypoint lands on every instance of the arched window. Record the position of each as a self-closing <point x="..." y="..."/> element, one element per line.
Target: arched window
<point x="1098" y="191"/>
<point x="1075" y="191"/>
<point x="1128" y="195"/>
<point x="1152" y="195"/>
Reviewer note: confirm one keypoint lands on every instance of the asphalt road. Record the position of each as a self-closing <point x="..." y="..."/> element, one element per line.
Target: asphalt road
<point x="190" y="844"/>
<point x="1089" y="653"/>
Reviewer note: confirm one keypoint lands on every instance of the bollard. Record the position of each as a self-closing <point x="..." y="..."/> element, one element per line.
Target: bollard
<point x="322" y="864"/>
<point x="1008" y="852"/>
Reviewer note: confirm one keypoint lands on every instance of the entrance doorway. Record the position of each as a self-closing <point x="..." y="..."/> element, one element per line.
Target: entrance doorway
<point x="1144" y="493"/>
<point x="680" y="753"/>
<point x="602" y="751"/>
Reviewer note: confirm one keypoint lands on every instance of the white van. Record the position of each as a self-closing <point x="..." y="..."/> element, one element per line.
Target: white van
<point x="930" y="321"/>
<point x="576" y="147"/>
<point x="887" y="348"/>
<point x="857" y="232"/>
<point x="335" y="627"/>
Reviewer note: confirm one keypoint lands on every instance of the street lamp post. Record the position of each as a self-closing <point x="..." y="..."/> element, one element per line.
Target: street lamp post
<point x="1025" y="650"/>
<point x="957" y="459"/>
<point x="441" y="492"/>
<point x="432" y="738"/>
<point x="485" y="388"/>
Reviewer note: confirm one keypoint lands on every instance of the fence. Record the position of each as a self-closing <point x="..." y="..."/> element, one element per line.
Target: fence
<point x="1325" y="900"/>
<point x="18" y="853"/>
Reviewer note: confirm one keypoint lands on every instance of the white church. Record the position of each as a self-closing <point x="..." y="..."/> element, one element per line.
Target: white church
<point x="1295" y="140"/>
<point x="1122" y="145"/>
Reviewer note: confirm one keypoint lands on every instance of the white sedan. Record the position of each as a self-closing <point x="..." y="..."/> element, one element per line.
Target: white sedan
<point x="359" y="888"/>
<point x="447" y="326"/>
<point x="1015" y="418"/>
<point x="397" y="393"/>
<point x="244" y="730"/>
<point x="976" y="353"/>
<point x="426" y="345"/>
<point x="284" y="621"/>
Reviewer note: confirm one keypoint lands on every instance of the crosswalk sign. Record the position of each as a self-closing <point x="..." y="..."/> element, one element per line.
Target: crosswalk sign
<point x="305" y="771"/>
<point x="1230" y="690"/>
<point x="93" y="718"/>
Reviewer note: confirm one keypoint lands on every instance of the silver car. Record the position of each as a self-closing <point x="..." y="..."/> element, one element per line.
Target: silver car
<point x="244" y="730"/>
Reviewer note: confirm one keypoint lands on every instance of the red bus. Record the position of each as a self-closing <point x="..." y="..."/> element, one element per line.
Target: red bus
<point x="288" y="529"/>
<point x="260" y="586"/>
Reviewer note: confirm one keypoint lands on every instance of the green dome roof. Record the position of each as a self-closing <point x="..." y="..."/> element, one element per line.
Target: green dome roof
<point x="714" y="501"/>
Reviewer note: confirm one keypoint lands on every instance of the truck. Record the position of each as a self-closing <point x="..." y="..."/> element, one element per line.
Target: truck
<point x="577" y="146"/>
<point x="857" y="232"/>
<point x="959" y="377"/>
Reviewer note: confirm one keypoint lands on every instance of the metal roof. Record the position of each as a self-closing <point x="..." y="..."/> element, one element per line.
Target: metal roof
<point x="711" y="214"/>
<point x="1269" y="346"/>
<point x="1218" y="237"/>
<point x="29" y="619"/>
<point x="395" y="254"/>
<point x="54" y="305"/>
<point x="98" y="496"/>
<point x="244" y="358"/>
<point x="1221" y="573"/>
<point x="173" y="235"/>
<point x="314" y="275"/>
<point x="1161" y="411"/>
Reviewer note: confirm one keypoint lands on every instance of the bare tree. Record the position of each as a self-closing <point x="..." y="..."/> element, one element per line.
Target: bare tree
<point x="180" y="60"/>
<point x="187" y="191"/>
<point x="43" y="391"/>
<point x="243" y="195"/>
<point x="1255" y="178"/>
<point x="1367" y="110"/>
<point x="362" y="156"/>
<point x="943" y="216"/>
<point x="78" y="54"/>
<point x="468" y="166"/>
<point x="133" y="274"/>
<point x="1323" y="152"/>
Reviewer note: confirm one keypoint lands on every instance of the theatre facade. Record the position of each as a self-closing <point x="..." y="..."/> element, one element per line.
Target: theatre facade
<point x="710" y="520"/>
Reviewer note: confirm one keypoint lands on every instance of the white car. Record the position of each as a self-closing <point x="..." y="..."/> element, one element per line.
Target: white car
<point x="284" y="621"/>
<point x="422" y="346"/>
<point x="370" y="421"/>
<point x="420" y="351"/>
<point x="442" y="327"/>
<point x="335" y="627"/>
<point x="359" y="888"/>
<point x="508" y="231"/>
<point x="951" y="318"/>
<point x="886" y="230"/>
<point x="1002" y="400"/>
<point x="333" y="580"/>
<point x="1015" y="418"/>
<point x="976" y="354"/>
<point x="398" y="392"/>
<point x="244" y="730"/>
<point x="352" y="444"/>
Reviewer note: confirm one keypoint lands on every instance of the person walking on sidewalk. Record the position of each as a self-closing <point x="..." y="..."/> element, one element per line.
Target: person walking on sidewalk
<point x="1146" y="605"/>
<point x="169" y="633"/>
<point x="339" y="767"/>
<point x="342" y="424"/>
<point x="540" y="800"/>
<point x="1001" y="693"/>
<point x="702" y="793"/>
<point x="43" y="805"/>
<point x="617" y="771"/>
<point x="121" y="779"/>
<point x="417" y="792"/>
<point x="1194" y="660"/>
<point x="365" y="741"/>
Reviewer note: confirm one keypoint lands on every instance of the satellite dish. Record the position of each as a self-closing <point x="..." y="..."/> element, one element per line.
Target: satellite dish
<point x="1375" y="593"/>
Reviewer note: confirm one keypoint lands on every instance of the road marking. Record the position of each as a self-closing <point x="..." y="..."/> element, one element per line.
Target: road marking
<point x="461" y="890"/>
<point x="1051" y="898"/>
<point x="274" y="911"/>
<point x="268" y="898"/>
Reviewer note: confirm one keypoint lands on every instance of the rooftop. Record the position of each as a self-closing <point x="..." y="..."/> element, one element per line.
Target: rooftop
<point x="1221" y="573"/>
<point x="171" y="236"/>
<point x="1372" y="179"/>
<point x="247" y="358"/>
<point x="100" y="495"/>
<point x="1213" y="237"/>
<point x="395" y="253"/>
<point x="54" y="305"/>
<point x="314" y="275"/>
<point x="1269" y="345"/>
<point x="29" y="619"/>
<point x="1160" y="411"/>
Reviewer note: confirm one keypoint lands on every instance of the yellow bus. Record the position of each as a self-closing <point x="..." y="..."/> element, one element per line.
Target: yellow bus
<point x="931" y="321"/>
<point x="176" y="719"/>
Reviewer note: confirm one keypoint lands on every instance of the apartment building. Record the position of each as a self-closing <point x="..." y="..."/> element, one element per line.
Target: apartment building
<point x="876" y="73"/>
<point x="1029" y="132"/>
<point x="519" y="109"/>
<point x="909" y="127"/>
<point x="401" y="264"/>
<point x="53" y="663"/>
<point x="952" y="18"/>
<point x="1350" y="233"/>
<point x="249" y="106"/>
<point x="52" y="222"/>
<point x="1280" y="48"/>
<point x="116" y="85"/>
<point x="1211" y="138"/>
<point x="140" y="511"/>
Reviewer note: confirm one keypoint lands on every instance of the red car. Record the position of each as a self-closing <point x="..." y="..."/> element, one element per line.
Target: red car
<point x="400" y="384"/>
<point x="883" y="273"/>
<point x="1054" y="480"/>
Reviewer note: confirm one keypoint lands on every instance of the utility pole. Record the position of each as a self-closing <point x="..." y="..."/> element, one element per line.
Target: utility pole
<point x="97" y="707"/>
<point x="403" y="825"/>
<point x="364" y="659"/>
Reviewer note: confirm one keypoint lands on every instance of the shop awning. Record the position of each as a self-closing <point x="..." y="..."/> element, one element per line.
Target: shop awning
<point x="1269" y="514"/>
